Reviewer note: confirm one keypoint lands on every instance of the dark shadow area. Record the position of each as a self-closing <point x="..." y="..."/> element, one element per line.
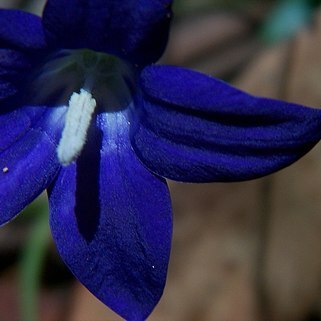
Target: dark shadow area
<point x="87" y="208"/>
<point x="313" y="316"/>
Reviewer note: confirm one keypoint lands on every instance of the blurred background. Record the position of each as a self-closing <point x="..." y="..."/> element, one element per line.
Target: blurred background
<point x="242" y="251"/>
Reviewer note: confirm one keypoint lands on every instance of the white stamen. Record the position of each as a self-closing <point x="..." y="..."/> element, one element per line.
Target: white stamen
<point x="78" y="118"/>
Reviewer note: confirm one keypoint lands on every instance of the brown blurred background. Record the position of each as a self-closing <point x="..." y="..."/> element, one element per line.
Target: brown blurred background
<point x="243" y="251"/>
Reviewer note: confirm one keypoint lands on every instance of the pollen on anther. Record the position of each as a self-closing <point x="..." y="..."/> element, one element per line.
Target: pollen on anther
<point x="80" y="111"/>
<point x="5" y="169"/>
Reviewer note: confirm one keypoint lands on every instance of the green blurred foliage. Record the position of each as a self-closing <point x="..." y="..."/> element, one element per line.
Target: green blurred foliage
<point x="32" y="259"/>
<point x="285" y="19"/>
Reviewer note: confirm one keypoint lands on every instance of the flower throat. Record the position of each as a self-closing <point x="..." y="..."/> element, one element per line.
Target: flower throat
<point x="88" y="83"/>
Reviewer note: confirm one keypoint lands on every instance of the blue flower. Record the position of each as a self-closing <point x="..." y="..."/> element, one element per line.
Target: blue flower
<point x="85" y="114"/>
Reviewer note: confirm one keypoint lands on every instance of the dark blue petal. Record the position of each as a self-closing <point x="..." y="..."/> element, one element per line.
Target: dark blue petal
<point x="133" y="29"/>
<point x="14" y="68"/>
<point x="28" y="159"/>
<point x="7" y="90"/>
<point x="190" y="127"/>
<point x="21" y="30"/>
<point x="111" y="221"/>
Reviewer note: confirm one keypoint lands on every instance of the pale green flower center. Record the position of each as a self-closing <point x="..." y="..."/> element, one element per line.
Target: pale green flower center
<point x="88" y="83"/>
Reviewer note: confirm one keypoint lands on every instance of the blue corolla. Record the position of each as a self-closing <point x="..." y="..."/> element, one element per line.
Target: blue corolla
<point x="86" y="114"/>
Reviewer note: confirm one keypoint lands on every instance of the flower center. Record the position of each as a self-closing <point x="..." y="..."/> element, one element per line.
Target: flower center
<point x="109" y="79"/>
<point x="88" y="83"/>
<point x="77" y="122"/>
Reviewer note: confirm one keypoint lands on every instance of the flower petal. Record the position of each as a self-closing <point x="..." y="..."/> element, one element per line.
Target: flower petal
<point x="190" y="127"/>
<point x="111" y="221"/>
<point x="22" y="45"/>
<point x="21" y="30"/>
<point x="133" y="29"/>
<point x="28" y="159"/>
<point x="14" y="68"/>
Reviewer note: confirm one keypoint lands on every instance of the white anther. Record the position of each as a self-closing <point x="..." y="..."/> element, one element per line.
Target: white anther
<point x="80" y="111"/>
